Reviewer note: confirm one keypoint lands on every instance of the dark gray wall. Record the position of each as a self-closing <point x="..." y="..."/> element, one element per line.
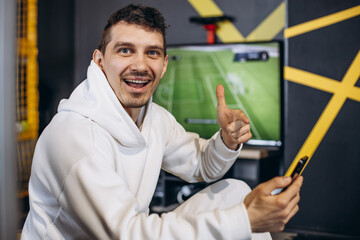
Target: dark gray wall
<point x="56" y="55"/>
<point x="330" y="195"/>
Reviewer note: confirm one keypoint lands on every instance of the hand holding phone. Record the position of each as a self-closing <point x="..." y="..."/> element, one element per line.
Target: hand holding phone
<point x="293" y="173"/>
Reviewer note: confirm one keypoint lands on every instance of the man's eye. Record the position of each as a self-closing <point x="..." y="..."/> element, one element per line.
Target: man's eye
<point x="154" y="53"/>
<point x="124" y="50"/>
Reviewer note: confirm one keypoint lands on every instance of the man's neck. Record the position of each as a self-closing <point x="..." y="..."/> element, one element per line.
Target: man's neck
<point x="137" y="115"/>
<point x="133" y="113"/>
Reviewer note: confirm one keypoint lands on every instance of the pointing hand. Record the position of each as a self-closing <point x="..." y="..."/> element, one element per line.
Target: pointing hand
<point x="235" y="126"/>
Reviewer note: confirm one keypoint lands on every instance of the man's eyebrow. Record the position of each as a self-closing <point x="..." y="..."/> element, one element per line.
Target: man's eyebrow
<point x="122" y="44"/>
<point x="129" y="44"/>
<point x="156" y="47"/>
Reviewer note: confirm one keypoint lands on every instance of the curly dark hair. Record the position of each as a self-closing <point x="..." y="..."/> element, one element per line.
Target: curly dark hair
<point x="147" y="17"/>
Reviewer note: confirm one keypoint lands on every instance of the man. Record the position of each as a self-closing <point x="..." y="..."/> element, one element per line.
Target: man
<point x="97" y="164"/>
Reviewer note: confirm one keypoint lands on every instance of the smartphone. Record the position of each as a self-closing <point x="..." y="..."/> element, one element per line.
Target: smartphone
<point x="299" y="168"/>
<point x="293" y="172"/>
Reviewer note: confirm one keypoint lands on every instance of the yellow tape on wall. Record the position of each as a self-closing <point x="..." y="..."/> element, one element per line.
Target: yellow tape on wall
<point x="322" y="22"/>
<point x="341" y="93"/>
<point x="341" y="90"/>
<point x="270" y="27"/>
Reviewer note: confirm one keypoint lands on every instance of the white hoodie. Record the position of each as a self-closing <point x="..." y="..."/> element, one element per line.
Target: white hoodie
<point x="94" y="172"/>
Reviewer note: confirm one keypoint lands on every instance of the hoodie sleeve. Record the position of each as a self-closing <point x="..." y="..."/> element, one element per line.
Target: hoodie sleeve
<point x="107" y="210"/>
<point x="195" y="159"/>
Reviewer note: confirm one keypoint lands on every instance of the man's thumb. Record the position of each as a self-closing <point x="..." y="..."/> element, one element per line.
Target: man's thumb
<point x="277" y="182"/>
<point x="220" y="94"/>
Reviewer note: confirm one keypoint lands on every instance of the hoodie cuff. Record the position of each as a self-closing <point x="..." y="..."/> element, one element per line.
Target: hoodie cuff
<point x="223" y="150"/>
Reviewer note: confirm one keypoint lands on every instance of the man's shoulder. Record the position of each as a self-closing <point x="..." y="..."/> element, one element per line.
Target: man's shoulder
<point x="65" y="142"/>
<point x="160" y="112"/>
<point x="157" y="107"/>
<point x="70" y="137"/>
<point x="67" y="124"/>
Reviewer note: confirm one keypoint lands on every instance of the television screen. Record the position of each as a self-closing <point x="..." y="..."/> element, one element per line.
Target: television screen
<point x="250" y="74"/>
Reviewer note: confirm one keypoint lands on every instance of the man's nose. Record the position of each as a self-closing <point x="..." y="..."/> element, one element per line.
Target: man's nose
<point x="139" y="63"/>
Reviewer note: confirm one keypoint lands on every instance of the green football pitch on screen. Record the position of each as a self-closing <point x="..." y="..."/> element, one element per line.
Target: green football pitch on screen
<point x="250" y="74"/>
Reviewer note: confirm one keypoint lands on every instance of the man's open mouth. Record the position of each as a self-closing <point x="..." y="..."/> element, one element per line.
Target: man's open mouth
<point x="137" y="83"/>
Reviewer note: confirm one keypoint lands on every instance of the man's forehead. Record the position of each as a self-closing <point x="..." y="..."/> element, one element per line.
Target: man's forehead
<point x="121" y="32"/>
<point x="122" y="26"/>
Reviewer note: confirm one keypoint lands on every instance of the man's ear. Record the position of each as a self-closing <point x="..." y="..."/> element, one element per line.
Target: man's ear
<point x="165" y="65"/>
<point x="98" y="58"/>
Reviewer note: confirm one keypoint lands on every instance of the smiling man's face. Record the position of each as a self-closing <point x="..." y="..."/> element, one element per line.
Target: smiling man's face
<point x="134" y="62"/>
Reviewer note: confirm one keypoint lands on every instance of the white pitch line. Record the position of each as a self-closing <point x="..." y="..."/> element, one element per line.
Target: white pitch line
<point x="222" y="73"/>
<point x="201" y="91"/>
<point x="211" y="90"/>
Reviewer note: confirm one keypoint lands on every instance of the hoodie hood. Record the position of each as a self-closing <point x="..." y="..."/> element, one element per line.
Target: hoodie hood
<point x="95" y="99"/>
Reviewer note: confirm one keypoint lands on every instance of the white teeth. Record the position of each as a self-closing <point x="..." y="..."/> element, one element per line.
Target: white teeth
<point x="137" y="81"/>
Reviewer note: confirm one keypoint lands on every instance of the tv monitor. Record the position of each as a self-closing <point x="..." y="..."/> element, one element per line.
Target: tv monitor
<point x="251" y="75"/>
